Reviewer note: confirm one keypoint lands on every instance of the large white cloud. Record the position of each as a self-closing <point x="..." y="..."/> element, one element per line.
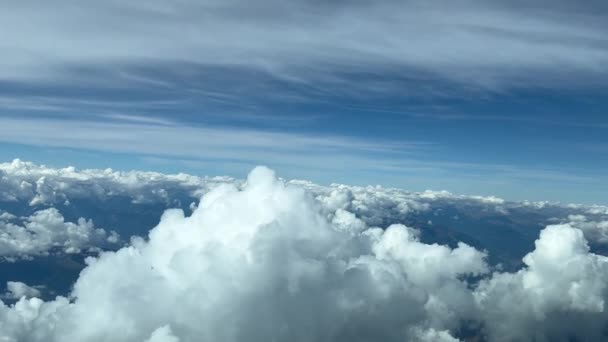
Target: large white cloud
<point x="259" y="264"/>
<point x="266" y="262"/>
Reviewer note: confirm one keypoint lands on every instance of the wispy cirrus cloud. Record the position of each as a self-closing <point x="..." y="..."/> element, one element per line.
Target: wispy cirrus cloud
<point x="311" y="85"/>
<point x="252" y="62"/>
<point x="480" y="44"/>
<point x="302" y="154"/>
<point x="141" y="135"/>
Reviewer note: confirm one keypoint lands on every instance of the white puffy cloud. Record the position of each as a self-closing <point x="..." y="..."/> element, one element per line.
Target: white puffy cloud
<point x="432" y="335"/>
<point x="6" y="216"/>
<point x="131" y="203"/>
<point x="41" y="185"/>
<point x="559" y="295"/>
<point x="598" y="210"/>
<point x="373" y="204"/>
<point x="273" y="260"/>
<point x="46" y="230"/>
<point x="16" y="290"/>
<point x="162" y="334"/>
<point x="277" y="270"/>
<point x="594" y="230"/>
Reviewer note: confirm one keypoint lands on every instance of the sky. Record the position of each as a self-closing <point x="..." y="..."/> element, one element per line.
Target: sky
<point x="474" y="97"/>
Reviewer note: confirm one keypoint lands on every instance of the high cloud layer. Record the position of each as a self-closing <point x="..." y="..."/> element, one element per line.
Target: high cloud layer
<point x="479" y="42"/>
<point x="267" y="261"/>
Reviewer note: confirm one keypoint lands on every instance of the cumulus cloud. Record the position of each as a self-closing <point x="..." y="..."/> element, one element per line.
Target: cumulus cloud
<point x="269" y="261"/>
<point x="41" y="185"/>
<point x="373" y="205"/>
<point x="433" y="335"/>
<point x="46" y="230"/>
<point x="598" y="210"/>
<point x="277" y="270"/>
<point x="17" y="290"/>
<point x="595" y="230"/>
<point x="131" y="203"/>
<point x="162" y="334"/>
<point x="560" y="294"/>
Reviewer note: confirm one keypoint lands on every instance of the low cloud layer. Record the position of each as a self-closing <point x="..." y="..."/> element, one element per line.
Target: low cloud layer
<point x="41" y="185"/>
<point x="130" y="203"/>
<point x="269" y="261"/>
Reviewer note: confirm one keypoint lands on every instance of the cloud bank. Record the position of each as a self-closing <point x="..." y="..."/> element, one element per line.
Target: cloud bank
<point x="264" y="261"/>
<point x="130" y="203"/>
<point x="41" y="185"/>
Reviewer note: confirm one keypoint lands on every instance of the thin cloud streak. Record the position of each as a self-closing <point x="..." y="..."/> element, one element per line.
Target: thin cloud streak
<point x="195" y="142"/>
<point x="481" y="44"/>
<point x="307" y="153"/>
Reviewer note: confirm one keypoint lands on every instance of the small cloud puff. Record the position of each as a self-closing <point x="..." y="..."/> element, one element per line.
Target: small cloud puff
<point x="46" y="230"/>
<point x="17" y="290"/>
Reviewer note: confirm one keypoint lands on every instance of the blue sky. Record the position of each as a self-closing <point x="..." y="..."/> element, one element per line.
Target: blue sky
<point x="471" y="97"/>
